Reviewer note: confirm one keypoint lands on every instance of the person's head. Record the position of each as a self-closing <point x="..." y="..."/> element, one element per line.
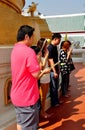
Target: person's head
<point x="56" y="38"/>
<point x="25" y="33"/>
<point x="36" y="49"/>
<point x="42" y="44"/>
<point x="65" y="44"/>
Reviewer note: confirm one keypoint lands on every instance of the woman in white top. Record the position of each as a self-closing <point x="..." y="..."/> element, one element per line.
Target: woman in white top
<point x="45" y="79"/>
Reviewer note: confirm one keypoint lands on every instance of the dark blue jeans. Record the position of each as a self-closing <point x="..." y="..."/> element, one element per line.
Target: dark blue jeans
<point x="54" y="84"/>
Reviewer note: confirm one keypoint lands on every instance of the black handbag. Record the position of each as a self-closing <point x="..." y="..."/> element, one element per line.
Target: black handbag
<point x="71" y="64"/>
<point x="72" y="67"/>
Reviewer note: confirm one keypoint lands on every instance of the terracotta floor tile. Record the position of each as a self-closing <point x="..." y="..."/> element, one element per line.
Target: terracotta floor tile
<point x="71" y="114"/>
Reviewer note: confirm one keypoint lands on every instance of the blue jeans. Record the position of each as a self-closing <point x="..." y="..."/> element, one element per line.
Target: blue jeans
<point x="54" y="84"/>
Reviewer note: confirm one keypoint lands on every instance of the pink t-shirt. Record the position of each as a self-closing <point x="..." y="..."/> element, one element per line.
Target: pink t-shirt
<point x="24" y="91"/>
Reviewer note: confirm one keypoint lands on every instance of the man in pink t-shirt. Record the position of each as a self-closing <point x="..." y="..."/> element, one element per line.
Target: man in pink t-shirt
<point x="25" y="71"/>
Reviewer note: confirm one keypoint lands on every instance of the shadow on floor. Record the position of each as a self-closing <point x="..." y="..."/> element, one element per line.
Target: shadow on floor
<point x="71" y="114"/>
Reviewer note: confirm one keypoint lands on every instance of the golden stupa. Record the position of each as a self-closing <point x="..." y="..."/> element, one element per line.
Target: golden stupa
<point x="11" y="19"/>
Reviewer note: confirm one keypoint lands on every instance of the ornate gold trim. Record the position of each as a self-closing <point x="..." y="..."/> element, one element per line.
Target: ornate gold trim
<point x="7" y="2"/>
<point x="7" y="86"/>
<point x="23" y="2"/>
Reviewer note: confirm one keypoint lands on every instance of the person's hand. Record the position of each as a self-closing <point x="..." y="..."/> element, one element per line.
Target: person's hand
<point x="70" y="50"/>
<point x="55" y="75"/>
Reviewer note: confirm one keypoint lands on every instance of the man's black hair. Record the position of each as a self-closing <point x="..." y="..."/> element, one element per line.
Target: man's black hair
<point x="23" y="30"/>
<point x="56" y="35"/>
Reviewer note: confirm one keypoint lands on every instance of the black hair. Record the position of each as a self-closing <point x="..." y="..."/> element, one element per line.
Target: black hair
<point x="40" y="43"/>
<point x="36" y="49"/>
<point x="61" y="45"/>
<point x="56" y="35"/>
<point x="69" y="42"/>
<point x="23" y="30"/>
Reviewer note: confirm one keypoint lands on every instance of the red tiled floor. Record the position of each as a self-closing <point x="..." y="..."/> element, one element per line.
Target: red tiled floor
<point x="71" y="114"/>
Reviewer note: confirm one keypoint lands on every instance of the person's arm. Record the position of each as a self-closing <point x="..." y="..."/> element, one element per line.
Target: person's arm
<point x="36" y="74"/>
<point x="69" y="53"/>
<point x="33" y="64"/>
<point x="39" y="55"/>
<point x="45" y="71"/>
<point x="51" y="62"/>
<point x="39" y="74"/>
<point x="45" y="59"/>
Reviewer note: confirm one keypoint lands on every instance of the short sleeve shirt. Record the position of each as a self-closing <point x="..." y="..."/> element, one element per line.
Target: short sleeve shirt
<point x="24" y="91"/>
<point x="53" y="54"/>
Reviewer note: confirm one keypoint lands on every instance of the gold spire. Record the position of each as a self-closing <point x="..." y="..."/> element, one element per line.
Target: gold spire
<point x="32" y="8"/>
<point x="66" y="37"/>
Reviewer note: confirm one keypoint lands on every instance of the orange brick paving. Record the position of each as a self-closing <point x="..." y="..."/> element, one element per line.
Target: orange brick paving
<point x="71" y="114"/>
